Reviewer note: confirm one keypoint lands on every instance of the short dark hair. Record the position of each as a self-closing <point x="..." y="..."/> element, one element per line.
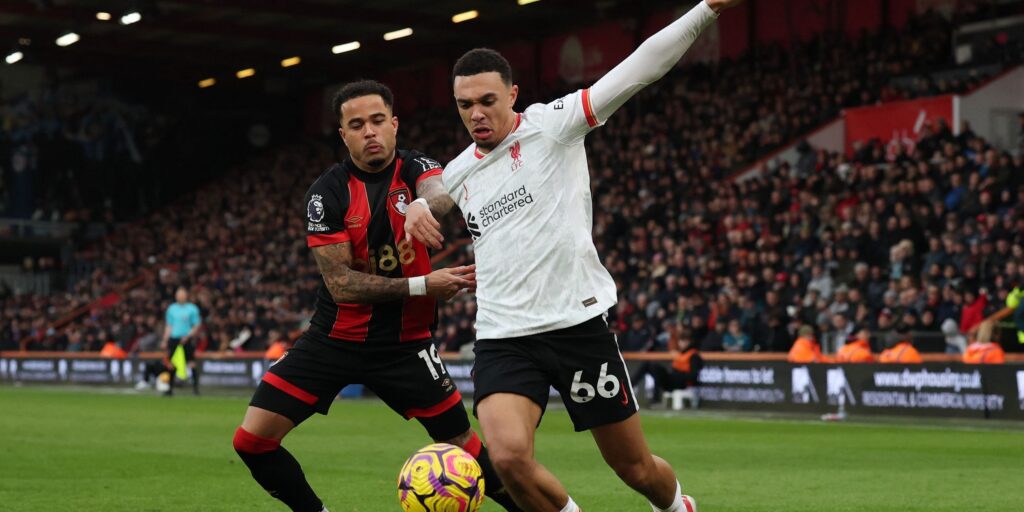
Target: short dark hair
<point x="482" y="60"/>
<point x="359" y="89"/>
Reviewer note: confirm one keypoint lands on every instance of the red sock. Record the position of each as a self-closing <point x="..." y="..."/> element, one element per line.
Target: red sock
<point x="473" y="446"/>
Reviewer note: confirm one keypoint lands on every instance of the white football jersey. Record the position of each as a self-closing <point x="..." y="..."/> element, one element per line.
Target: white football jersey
<point x="528" y="207"/>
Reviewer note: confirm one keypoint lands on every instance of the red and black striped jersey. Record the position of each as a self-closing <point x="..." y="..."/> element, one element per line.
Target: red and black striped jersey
<point x="347" y="204"/>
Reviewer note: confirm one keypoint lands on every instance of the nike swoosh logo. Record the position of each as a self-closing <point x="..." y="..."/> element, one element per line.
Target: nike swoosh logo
<point x="625" y="396"/>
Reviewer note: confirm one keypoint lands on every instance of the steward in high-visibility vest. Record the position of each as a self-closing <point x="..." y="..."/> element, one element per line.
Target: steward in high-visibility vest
<point x="686" y="364"/>
<point x="276" y="350"/>
<point x="903" y="351"/>
<point x="113" y="351"/>
<point x="806" y="349"/>
<point x="684" y="371"/>
<point x="984" y="353"/>
<point x="857" y="351"/>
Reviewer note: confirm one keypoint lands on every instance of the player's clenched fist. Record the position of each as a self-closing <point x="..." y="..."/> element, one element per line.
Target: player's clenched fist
<point x="421" y="225"/>
<point x="446" y="282"/>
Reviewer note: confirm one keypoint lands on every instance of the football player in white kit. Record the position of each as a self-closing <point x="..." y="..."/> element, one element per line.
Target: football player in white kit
<point x="542" y="292"/>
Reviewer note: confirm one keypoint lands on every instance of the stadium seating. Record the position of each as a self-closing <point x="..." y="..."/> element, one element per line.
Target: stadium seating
<point x="835" y="243"/>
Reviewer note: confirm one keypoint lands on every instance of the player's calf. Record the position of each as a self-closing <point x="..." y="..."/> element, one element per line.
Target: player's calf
<point x="258" y="444"/>
<point x="640" y="475"/>
<point x="495" y="488"/>
<point x="624" y="448"/>
<point x="441" y="428"/>
<point x="516" y="468"/>
<point x="653" y="477"/>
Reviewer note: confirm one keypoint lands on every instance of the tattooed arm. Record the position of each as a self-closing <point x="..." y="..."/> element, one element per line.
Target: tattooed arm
<point x="350" y="286"/>
<point x="433" y="191"/>
<point x="420" y="222"/>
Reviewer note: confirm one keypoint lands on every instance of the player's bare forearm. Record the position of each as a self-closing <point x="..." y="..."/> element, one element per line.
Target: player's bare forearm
<point x="350" y="286"/>
<point x="437" y="198"/>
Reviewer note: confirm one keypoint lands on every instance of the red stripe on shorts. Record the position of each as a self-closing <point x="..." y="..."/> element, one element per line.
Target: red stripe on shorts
<point x="435" y="410"/>
<point x="289" y="388"/>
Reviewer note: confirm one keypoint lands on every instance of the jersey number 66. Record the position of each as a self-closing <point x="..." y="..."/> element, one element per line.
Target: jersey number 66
<point x="607" y="386"/>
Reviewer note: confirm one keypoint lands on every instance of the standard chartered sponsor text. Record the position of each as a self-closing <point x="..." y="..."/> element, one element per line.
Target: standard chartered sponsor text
<point x="506" y="205"/>
<point x="923" y="378"/>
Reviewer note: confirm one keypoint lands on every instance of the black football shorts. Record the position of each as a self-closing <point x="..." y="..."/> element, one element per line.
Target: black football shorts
<point x="582" y="362"/>
<point x="409" y="377"/>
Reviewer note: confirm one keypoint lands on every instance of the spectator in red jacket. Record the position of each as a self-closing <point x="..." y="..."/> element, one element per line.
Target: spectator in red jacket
<point x="974" y="310"/>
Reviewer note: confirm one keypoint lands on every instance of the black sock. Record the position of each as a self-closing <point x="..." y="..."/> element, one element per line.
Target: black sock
<point x="278" y="473"/>
<point x="493" y="488"/>
<point x="195" y="380"/>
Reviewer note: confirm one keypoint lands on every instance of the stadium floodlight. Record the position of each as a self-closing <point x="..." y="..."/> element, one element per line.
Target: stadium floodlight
<point x="132" y="17"/>
<point x="103" y="16"/>
<point x="68" y="39"/>
<point x="526" y="2"/>
<point x="290" y="61"/>
<point x="14" y="56"/>
<point x="207" y="82"/>
<point x="347" y="47"/>
<point x="245" y="73"/>
<point x="398" y="34"/>
<point x="465" y="16"/>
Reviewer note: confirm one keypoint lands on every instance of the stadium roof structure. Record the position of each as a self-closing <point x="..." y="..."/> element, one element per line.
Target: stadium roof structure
<point x="189" y="39"/>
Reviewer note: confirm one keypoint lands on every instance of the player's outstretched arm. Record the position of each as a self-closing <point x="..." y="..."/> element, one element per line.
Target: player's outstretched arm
<point x="420" y="218"/>
<point x="653" y="58"/>
<point x="350" y="286"/>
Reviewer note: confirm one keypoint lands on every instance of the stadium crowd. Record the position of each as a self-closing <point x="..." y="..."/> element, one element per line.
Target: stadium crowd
<point x="883" y="239"/>
<point x="924" y="238"/>
<point x="231" y="243"/>
<point x="834" y="244"/>
<point x="73" y="155"/>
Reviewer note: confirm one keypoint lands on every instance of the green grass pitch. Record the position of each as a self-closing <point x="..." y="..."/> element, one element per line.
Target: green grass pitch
<point x="91" y="451"/>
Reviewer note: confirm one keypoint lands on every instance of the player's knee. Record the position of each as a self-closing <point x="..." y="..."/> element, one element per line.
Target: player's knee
<point x="247" y="443"/>
<point x="266" y="424"/>
<point x="239" y="440"/>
